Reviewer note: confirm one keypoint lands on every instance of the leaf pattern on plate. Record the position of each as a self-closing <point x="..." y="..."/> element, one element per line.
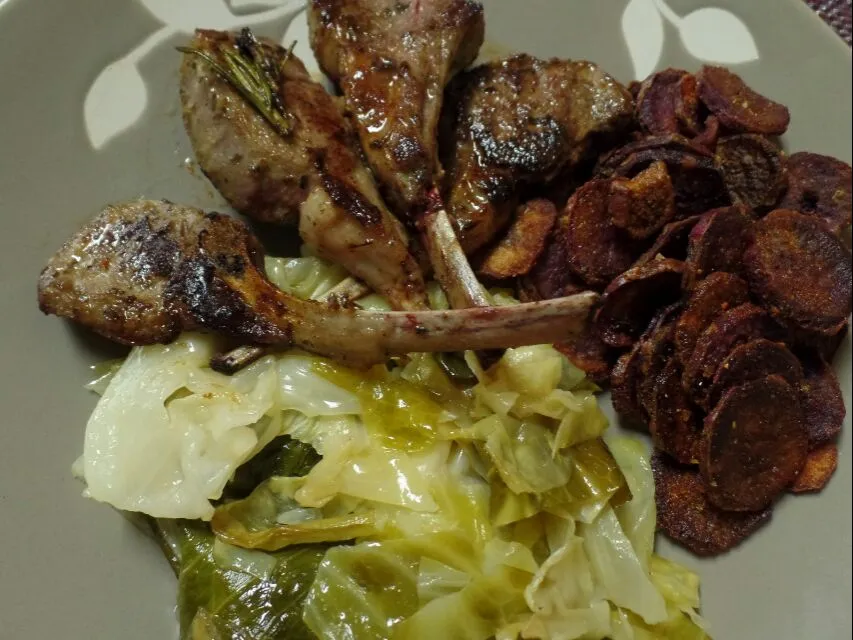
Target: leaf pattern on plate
<point x="186" y="15"/>
<point x="118" y="97"/>
<point x="244" y="6"/>
<point x="717" y="35"/>
<point x="642" y="28"/>
<point x="710" y="34"/>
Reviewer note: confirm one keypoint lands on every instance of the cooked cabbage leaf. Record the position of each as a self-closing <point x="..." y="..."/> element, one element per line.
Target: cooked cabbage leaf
<point x="637" y="515"/>
<point x="362" y="592"/>
<point x="617" y="569"/>
<point x="153" y="446"/>
<point x="475" y="612"/>
<point x="522" y="453"/>
<point x="302" y="389"/>
<point x="417" y="589"/>
<point x="229" y="593"/>
<point x="283" y="456"/>
<point x="271" y="519"/>
<point x="308" y="277"/>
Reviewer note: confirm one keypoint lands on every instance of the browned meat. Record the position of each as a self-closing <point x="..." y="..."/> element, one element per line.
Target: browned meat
<point x="519" y="121"/>
<point x="392" y="60"/>
<point x="114" y="273"/>
<point x="142" y="272"/>
<point x="299" y="161"/>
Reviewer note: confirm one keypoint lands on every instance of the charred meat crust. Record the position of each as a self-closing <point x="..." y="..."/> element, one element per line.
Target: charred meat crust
<point x="520" y="121"/>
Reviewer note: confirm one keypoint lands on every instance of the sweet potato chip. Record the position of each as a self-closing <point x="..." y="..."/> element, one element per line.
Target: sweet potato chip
<point x="753" y="169"/>
<point x="674" y="422"/>
<point x="754" y="360"/>
<point x="730" y="329"/>
<point x="624" y="380"/>
<point x="589" y="354"/>
<point x="715" y="294"/>
<point x="800" y="271"/>
<point x="551" y="276"/>
<point x="613" y="159"/>
<point x="687" y="105"/>
<point x="671" y="242"/>
<point x="686" y="516"/>
<point x="718" y="242"/>
<point x="697" y="183"/>
<point x="631" y="300"/>
<point x="517" y="252"/>
<point x="642" y="205"/>
<point x="823" y="344"/>
<point x="596" y="251"/>
<point x="656" y="349"/>
<point x="738" y="107"/>
<point x="820" y="186"/>
<point x="754" y="445"/>
<point x="710" y="134"/>
<point x="818" y="469"/>
<point x="823" y="404"/>
<point x="656" y="102"/>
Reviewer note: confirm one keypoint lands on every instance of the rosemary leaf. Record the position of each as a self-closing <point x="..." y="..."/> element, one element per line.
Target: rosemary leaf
<point x="253" y="74"/>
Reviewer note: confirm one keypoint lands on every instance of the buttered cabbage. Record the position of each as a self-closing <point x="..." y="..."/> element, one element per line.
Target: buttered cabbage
<point x="302" y="499"/>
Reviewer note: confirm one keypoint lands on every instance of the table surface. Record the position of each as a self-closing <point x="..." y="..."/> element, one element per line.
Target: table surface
<point x="838" y="15"/>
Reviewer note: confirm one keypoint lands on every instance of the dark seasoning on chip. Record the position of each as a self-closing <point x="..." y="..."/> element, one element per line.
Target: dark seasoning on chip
<point x="725" y="269"/>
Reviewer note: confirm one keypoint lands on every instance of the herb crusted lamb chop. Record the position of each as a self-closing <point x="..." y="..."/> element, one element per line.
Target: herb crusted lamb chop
<point x="391" y="60"/>
<point x="276" y="145"/>
<point x="144" y="271"/>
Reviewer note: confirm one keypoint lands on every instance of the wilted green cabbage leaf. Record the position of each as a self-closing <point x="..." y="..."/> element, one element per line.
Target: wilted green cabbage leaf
<point x="225" y="592"/>
<point x="271" y="519"/>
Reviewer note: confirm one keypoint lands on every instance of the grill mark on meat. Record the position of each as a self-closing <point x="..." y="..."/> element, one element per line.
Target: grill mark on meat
<point x="196" y="285"/>
<point x="352" y="201"/>
<point x="538" y="150"/>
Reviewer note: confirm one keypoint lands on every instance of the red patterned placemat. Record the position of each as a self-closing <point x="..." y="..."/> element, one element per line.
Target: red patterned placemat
<point x="837" y="13"/>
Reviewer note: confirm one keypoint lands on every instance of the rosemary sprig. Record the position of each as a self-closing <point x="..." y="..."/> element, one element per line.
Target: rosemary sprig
<point x="254" y="75"/>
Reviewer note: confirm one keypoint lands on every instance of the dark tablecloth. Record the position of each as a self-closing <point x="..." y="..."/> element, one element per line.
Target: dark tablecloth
<point x="838" y="15"/>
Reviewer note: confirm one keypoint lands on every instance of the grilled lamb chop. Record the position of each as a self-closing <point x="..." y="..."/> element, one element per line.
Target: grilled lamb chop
<point x="142" y="272"/>
<point x="520" y="121"/>
<point x="279" y="150"/>
<point x="392" y="60"/>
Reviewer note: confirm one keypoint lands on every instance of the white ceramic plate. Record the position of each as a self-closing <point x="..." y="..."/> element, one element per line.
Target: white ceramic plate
<point x="89" y="114"/>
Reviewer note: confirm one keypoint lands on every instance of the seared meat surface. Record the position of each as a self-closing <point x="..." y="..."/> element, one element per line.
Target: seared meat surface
<point x="142" y="272"/>
<point x="392" y="60"/>
<point x="114" y="274"/>
<point x="311" y="172"/>
<point x="520" y="121"/>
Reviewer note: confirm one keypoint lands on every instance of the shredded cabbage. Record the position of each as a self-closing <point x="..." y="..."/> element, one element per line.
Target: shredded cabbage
<point x="427" y="508"/>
